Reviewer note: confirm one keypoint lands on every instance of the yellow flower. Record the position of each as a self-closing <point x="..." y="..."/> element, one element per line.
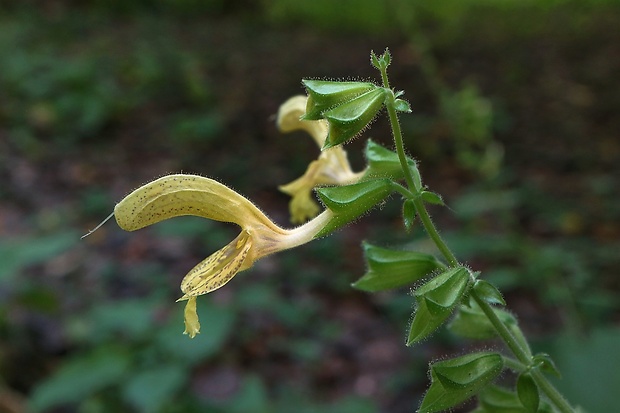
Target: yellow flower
<point x="331" y="168"/>
<point x="177" y="195"/>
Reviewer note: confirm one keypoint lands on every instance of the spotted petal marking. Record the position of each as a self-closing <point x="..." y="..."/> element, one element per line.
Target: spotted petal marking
<point x="218" y="268"/>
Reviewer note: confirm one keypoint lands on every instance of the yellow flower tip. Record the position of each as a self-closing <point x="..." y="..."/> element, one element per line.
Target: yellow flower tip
<point x="192" y="325"/>
<point x="290" y="112"/>
<point x="303" y="208"/>
<point x="289" y="119"/>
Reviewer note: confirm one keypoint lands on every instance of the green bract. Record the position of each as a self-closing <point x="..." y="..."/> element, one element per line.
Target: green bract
<point x="409" y="214"/>
<point x="392" y="269"/>
<point x="436" y="300"/>
<point x="347" y="120"/>
<point x="431" y="198"/>
<point x="402" y="105"/>
<point x="545" y="363"/>
<point x="351" y="201"/>
<point x="326" y="94"/>
<point x="488" y="292"/>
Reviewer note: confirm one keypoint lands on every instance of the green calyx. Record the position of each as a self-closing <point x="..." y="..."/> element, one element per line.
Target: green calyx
<point x="348" y="107"/>
<point x="349" y="202"/>
<point x="324" y="95"/>
<point x="388" y="268"/>
<point x="456" y="380"/>
<point x="436" y="300"/>
<point x="347" y="120"/>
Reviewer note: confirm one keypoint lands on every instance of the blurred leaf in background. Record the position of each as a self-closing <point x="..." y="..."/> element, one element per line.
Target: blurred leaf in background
<point x="592" y="356"/>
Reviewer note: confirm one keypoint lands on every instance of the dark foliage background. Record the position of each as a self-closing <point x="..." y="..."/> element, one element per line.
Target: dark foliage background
<point x="515" y="123"/>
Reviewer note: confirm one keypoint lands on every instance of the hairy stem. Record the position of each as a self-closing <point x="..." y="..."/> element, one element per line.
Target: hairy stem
<point x="522" y="355"/>
<point x="552" y="393"/>
<point x="432" y="232"/>
<point x="419" y="204"/>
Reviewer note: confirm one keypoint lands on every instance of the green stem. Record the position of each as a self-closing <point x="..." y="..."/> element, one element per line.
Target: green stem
<point x="402" y="190"/>
<point x="523" y="355"/>
<point x="398" y="139"/>
<point x="552" y="393"/>
<point x="514" y="365"/>
<point x="419" y="204"/>
<point x="505" y="334"/>
<point x="432" y="232"/>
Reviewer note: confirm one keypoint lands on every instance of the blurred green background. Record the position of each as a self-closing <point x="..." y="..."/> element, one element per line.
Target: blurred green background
<point x="515" y="123"/>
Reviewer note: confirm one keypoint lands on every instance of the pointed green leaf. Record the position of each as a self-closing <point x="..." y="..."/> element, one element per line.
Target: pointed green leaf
<point x="348" y="119"/>
<point x="402" y="105"/>
<point x="546" y="364"/>
<point x="431" y="198"/>
<point x="456" y="380"/>
<point x="348" y="202"/>
<point x="386" y="57"/>
<point x="409" y="213"/>
<point x="374" y="60"/>
<point x="326" y="94"/>
<point x="488" y="292"/>
<point x="417" y="179"/>
<point x="435" y="302"/>
<point x="527" y="390"/>
<point x="389" y="268"/>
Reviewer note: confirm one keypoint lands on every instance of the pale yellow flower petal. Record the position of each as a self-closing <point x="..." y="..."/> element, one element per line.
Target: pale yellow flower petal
<point x="289" y="120"/>
<point x="302" y="207"/>
<point x="176" y="195"/>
